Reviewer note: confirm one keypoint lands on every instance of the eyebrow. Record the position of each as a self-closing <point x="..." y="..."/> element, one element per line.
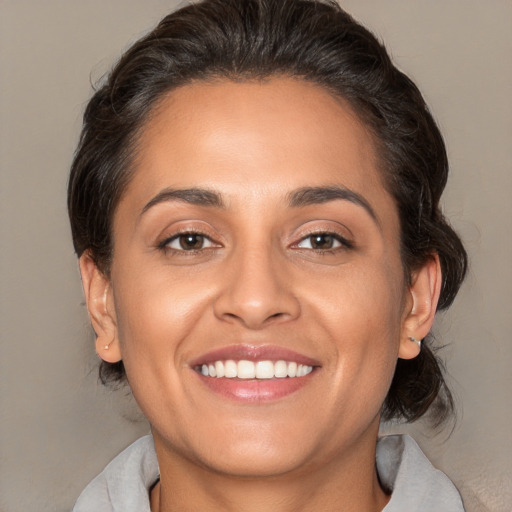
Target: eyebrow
<point x="307" y="196"/>
<point x="196" y="196"/>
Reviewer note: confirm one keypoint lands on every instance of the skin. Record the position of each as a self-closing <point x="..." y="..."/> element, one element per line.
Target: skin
<point x="258" y="280"/>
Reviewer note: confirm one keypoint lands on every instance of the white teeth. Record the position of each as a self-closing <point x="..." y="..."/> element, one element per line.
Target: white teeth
<point x="219" y="369"/>
<point x="230" y="369"/>
<point x="244" y="369"/>
<point x="292" y="369"/>
<point x="281" y="369"/>
<point x="302" y="370"/>
<point x="264" y="370"/>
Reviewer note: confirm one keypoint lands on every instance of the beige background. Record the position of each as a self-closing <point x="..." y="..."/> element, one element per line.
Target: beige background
<point x="58" y="427"/>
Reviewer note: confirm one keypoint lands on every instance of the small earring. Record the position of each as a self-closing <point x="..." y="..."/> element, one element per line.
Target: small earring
<point x="414" y="340"/>
<point x="106" y="347"/>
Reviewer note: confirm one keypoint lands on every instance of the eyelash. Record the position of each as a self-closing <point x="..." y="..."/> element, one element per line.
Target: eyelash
<point x="344" y="244"/>
<point x="164" y="244"/>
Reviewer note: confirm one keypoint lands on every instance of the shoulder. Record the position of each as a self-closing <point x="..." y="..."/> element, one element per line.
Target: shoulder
<point x="415" y="483"/>
<point x="123" y="486"/>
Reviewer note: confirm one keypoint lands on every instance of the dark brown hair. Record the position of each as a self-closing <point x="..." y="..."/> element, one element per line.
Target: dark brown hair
<point x="313" y="40"/>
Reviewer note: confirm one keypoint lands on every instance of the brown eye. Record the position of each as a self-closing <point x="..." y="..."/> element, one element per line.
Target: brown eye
<point x="188" y="242"/>
<point x="320" y="241"/>
<point x="192" y="241"/>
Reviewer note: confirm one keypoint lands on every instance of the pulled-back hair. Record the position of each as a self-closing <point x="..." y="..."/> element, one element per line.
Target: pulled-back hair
<point x="312" y="40"/>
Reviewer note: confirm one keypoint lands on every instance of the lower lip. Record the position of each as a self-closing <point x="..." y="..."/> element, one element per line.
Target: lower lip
<point x="255" y="390"/>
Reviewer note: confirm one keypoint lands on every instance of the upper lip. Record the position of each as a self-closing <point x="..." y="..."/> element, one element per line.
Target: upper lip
<point x="253" y="353"/>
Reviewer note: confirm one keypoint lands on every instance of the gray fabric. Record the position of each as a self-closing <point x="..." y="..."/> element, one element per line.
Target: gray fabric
<point x="416" y="485"/>
<point x="123" y="486"/>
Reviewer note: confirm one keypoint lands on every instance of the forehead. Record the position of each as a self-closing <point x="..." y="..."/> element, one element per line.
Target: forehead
<point x="254" y="138"/>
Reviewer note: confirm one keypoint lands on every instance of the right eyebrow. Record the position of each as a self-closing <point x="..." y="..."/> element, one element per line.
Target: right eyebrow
<point x="307" y="196"/>
<point x="197" y="196"/>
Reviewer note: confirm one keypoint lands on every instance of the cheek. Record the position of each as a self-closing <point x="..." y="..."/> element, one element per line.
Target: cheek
<point x="364" y="298"/>
<point x="149" y="292"/>
<point x="360" y="313"/>
<point x="157" y="315"/>
<point x="156" y="309"/>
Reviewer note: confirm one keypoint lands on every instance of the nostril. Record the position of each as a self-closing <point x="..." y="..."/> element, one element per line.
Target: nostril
<point x="256" y="319"/>
<point x="257" y="300"/>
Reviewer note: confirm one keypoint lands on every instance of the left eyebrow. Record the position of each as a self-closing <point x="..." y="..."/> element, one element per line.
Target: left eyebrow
<point x="307" y="196"/>
<point x="196" y="196"/>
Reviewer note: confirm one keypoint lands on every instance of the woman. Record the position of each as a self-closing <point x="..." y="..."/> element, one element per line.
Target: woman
<point x="255" y="205"/>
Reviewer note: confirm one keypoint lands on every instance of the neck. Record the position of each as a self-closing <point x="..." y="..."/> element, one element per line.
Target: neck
<point x="347" y="482"/>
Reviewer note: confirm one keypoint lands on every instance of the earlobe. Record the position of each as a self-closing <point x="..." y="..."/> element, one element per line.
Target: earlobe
<point x="100" y="305"/>
<point x="421" y="307"/>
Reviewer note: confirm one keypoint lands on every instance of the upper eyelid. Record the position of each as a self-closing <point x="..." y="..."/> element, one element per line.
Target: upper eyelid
<point x="167" y="239"/>
<point x="343" y="234"/>
<point x="332" y="232"/>
<point x="323" y="225"/>
<point x="343" y="241"/>
<point x="184" y="226"/>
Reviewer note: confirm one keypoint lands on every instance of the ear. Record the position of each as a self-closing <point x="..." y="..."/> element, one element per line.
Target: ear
<point x="420" y="307"/>
<point x="100" y="304"/>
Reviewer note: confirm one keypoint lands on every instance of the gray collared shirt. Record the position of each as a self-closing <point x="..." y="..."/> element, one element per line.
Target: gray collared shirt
<point x="123" y="486"/>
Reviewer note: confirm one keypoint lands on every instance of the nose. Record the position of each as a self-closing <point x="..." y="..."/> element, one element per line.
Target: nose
<point x="257" y="290"/>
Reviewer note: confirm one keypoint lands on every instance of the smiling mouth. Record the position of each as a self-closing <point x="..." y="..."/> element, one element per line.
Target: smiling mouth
<point x="264" y="370"/>
<point x="254" y="374"/>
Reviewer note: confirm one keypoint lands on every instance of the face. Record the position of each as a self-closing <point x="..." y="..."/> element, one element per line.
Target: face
<point x="257" y="294"/>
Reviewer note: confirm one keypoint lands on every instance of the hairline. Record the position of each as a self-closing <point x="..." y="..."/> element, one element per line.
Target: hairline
<point x="132" y="146"/>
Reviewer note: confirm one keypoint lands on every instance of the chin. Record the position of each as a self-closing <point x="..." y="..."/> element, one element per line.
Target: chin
<point x="246" y="451"/>
<point x="267" y="461"/>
